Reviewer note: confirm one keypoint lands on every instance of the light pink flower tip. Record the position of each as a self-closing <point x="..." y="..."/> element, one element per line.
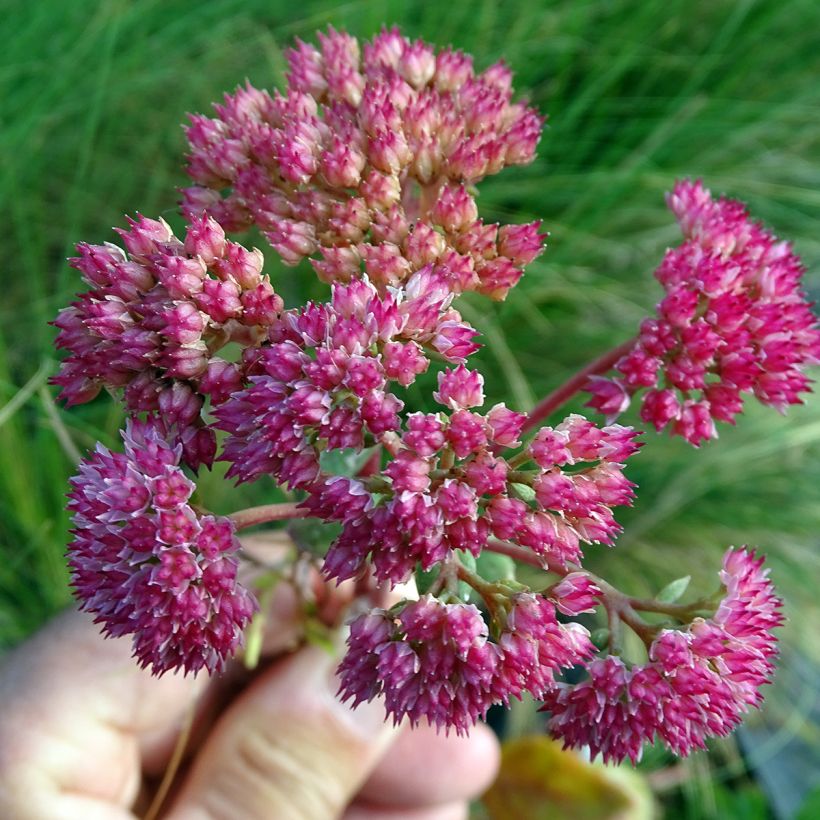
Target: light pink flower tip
<point x="734" y="321"/>
<point x="334" y="162"/>
<point x="147" y="565"/>
<point x="697" y="684"/>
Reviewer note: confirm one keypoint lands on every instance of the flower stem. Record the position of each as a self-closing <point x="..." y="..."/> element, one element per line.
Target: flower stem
<point x="265" y="513"/>
<point x="549" y="404"/>
<point x="527" y="556"/>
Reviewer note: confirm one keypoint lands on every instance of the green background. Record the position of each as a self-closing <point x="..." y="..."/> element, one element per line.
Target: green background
<point x="638" y="93"/>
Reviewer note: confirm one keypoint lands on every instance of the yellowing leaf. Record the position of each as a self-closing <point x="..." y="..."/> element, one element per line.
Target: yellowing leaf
<point x="538" y="780"/>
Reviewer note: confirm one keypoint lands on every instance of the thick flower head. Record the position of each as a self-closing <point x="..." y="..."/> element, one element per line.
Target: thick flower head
<point x="435" y="662"/>
<point x="146" y="564"/>
<point x="155" y="316"/>
<point x="734" y="321"/>
<point x="449" y="487"/>
<point x="367" y="162"/>
<point x="698" y="682"/>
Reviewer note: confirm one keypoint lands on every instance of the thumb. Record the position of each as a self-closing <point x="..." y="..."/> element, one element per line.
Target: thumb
<point x="287" y="748"/>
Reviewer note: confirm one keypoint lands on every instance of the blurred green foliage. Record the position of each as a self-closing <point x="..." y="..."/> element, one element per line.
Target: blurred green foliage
<point x="638" y="94"/>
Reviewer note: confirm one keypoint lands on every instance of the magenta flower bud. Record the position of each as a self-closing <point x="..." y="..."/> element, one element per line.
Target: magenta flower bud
<point x="522" y="139"/>
<point x="460" y="388"/>
<point x="639" y="369"/>
<point x="417" y="64"/>
<point x="380" y="191"/>
<point x="181" y="277"/>
<point x="108" y="320"/>
<point x="219" y="380"/>
<point x="453" y="70"/>
<point x="725" y="402"/>
<point x="423" y="245"/>
<point x="388" y="151"/>
<point x="679" y="306"/>
<point x="657" y="337"/>
<point x="184" y="323"/>
<point x="386" y="49"/>
<point x="497" y="277"/>
<point x="660" y="407"/>
<point x="142" y="392"/>
<point x="380" y="412"/>
<point x="186" y="361"/>
<point x="363" y="375"/>
<point x="391" y="225"/>
<point x="465" y="433"/>
<point x="454" y="340"/>
<point x="409" y="473"/>
<point x="455" y="210"/>
<point x="99" y="264"/>
<point x="487" y="474"/>
<point x="425" y="433"/>
<point x="260" y="305"/>
<point x="575" y="594"/>
<point x="241" y="265"/>
<point x="456" y="500"/>
<point x="292" y="240"/>
<point x="205" y="238"/>
<point x="220" y="300"/>
<point x="144" y="236"/>
<point x="306" y="69"/>
<point x="342" y="165"/>
<point x="506" y="516"/>
<point x="385" y="263"/>
<point x="284" y="361"/>
<point x="695" y="423"/>
<point x="403" y="362"/>
<point x="550" y="448"/>
<point x="608" y="396"/>
<point x="349" y="220"/>
<point x="521" y="243"/>
<point x="506" y="425"/>
<point x="338" y="265"/>
<point x="179" y="405"/>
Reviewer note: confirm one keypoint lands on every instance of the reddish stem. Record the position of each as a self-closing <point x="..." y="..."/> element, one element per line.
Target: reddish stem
<point x="265" y="513"/>
<point x="574" y="384"/>
<point x="527" y="556"/>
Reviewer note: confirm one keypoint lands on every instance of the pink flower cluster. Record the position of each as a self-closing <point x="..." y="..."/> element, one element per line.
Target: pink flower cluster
<point x="433" y="661"/>
<point x="446" y="489"/>
<point x="366" y="160"/>
<point x="147" y="564"/>
<point x="697" y="684"/>
<point x="155" y="317"/>
<point x="367" y="165"/>
<point x="734" y="320"/>
<point x="322" y="382"/>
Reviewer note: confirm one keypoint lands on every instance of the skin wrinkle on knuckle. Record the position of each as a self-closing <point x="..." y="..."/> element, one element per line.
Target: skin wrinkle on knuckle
<point x="271" y="769"/>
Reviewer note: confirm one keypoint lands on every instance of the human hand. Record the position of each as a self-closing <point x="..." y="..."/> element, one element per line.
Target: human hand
<point x="86" y="734"/>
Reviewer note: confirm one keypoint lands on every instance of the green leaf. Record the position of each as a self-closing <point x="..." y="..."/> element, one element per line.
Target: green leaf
<point x="600" y="637"/>
<point x="345" y="461"/>
<point x="494" y="567"/>
<point x="312" y="535"/>
<point x="540" y="781"/>
<point x="425" y="578"/>
<point x="523" y="491"/>
<point x="672" y="591"/>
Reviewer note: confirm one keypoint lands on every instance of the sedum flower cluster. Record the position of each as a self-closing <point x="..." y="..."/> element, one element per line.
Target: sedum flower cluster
<point x="366" y="165"/>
